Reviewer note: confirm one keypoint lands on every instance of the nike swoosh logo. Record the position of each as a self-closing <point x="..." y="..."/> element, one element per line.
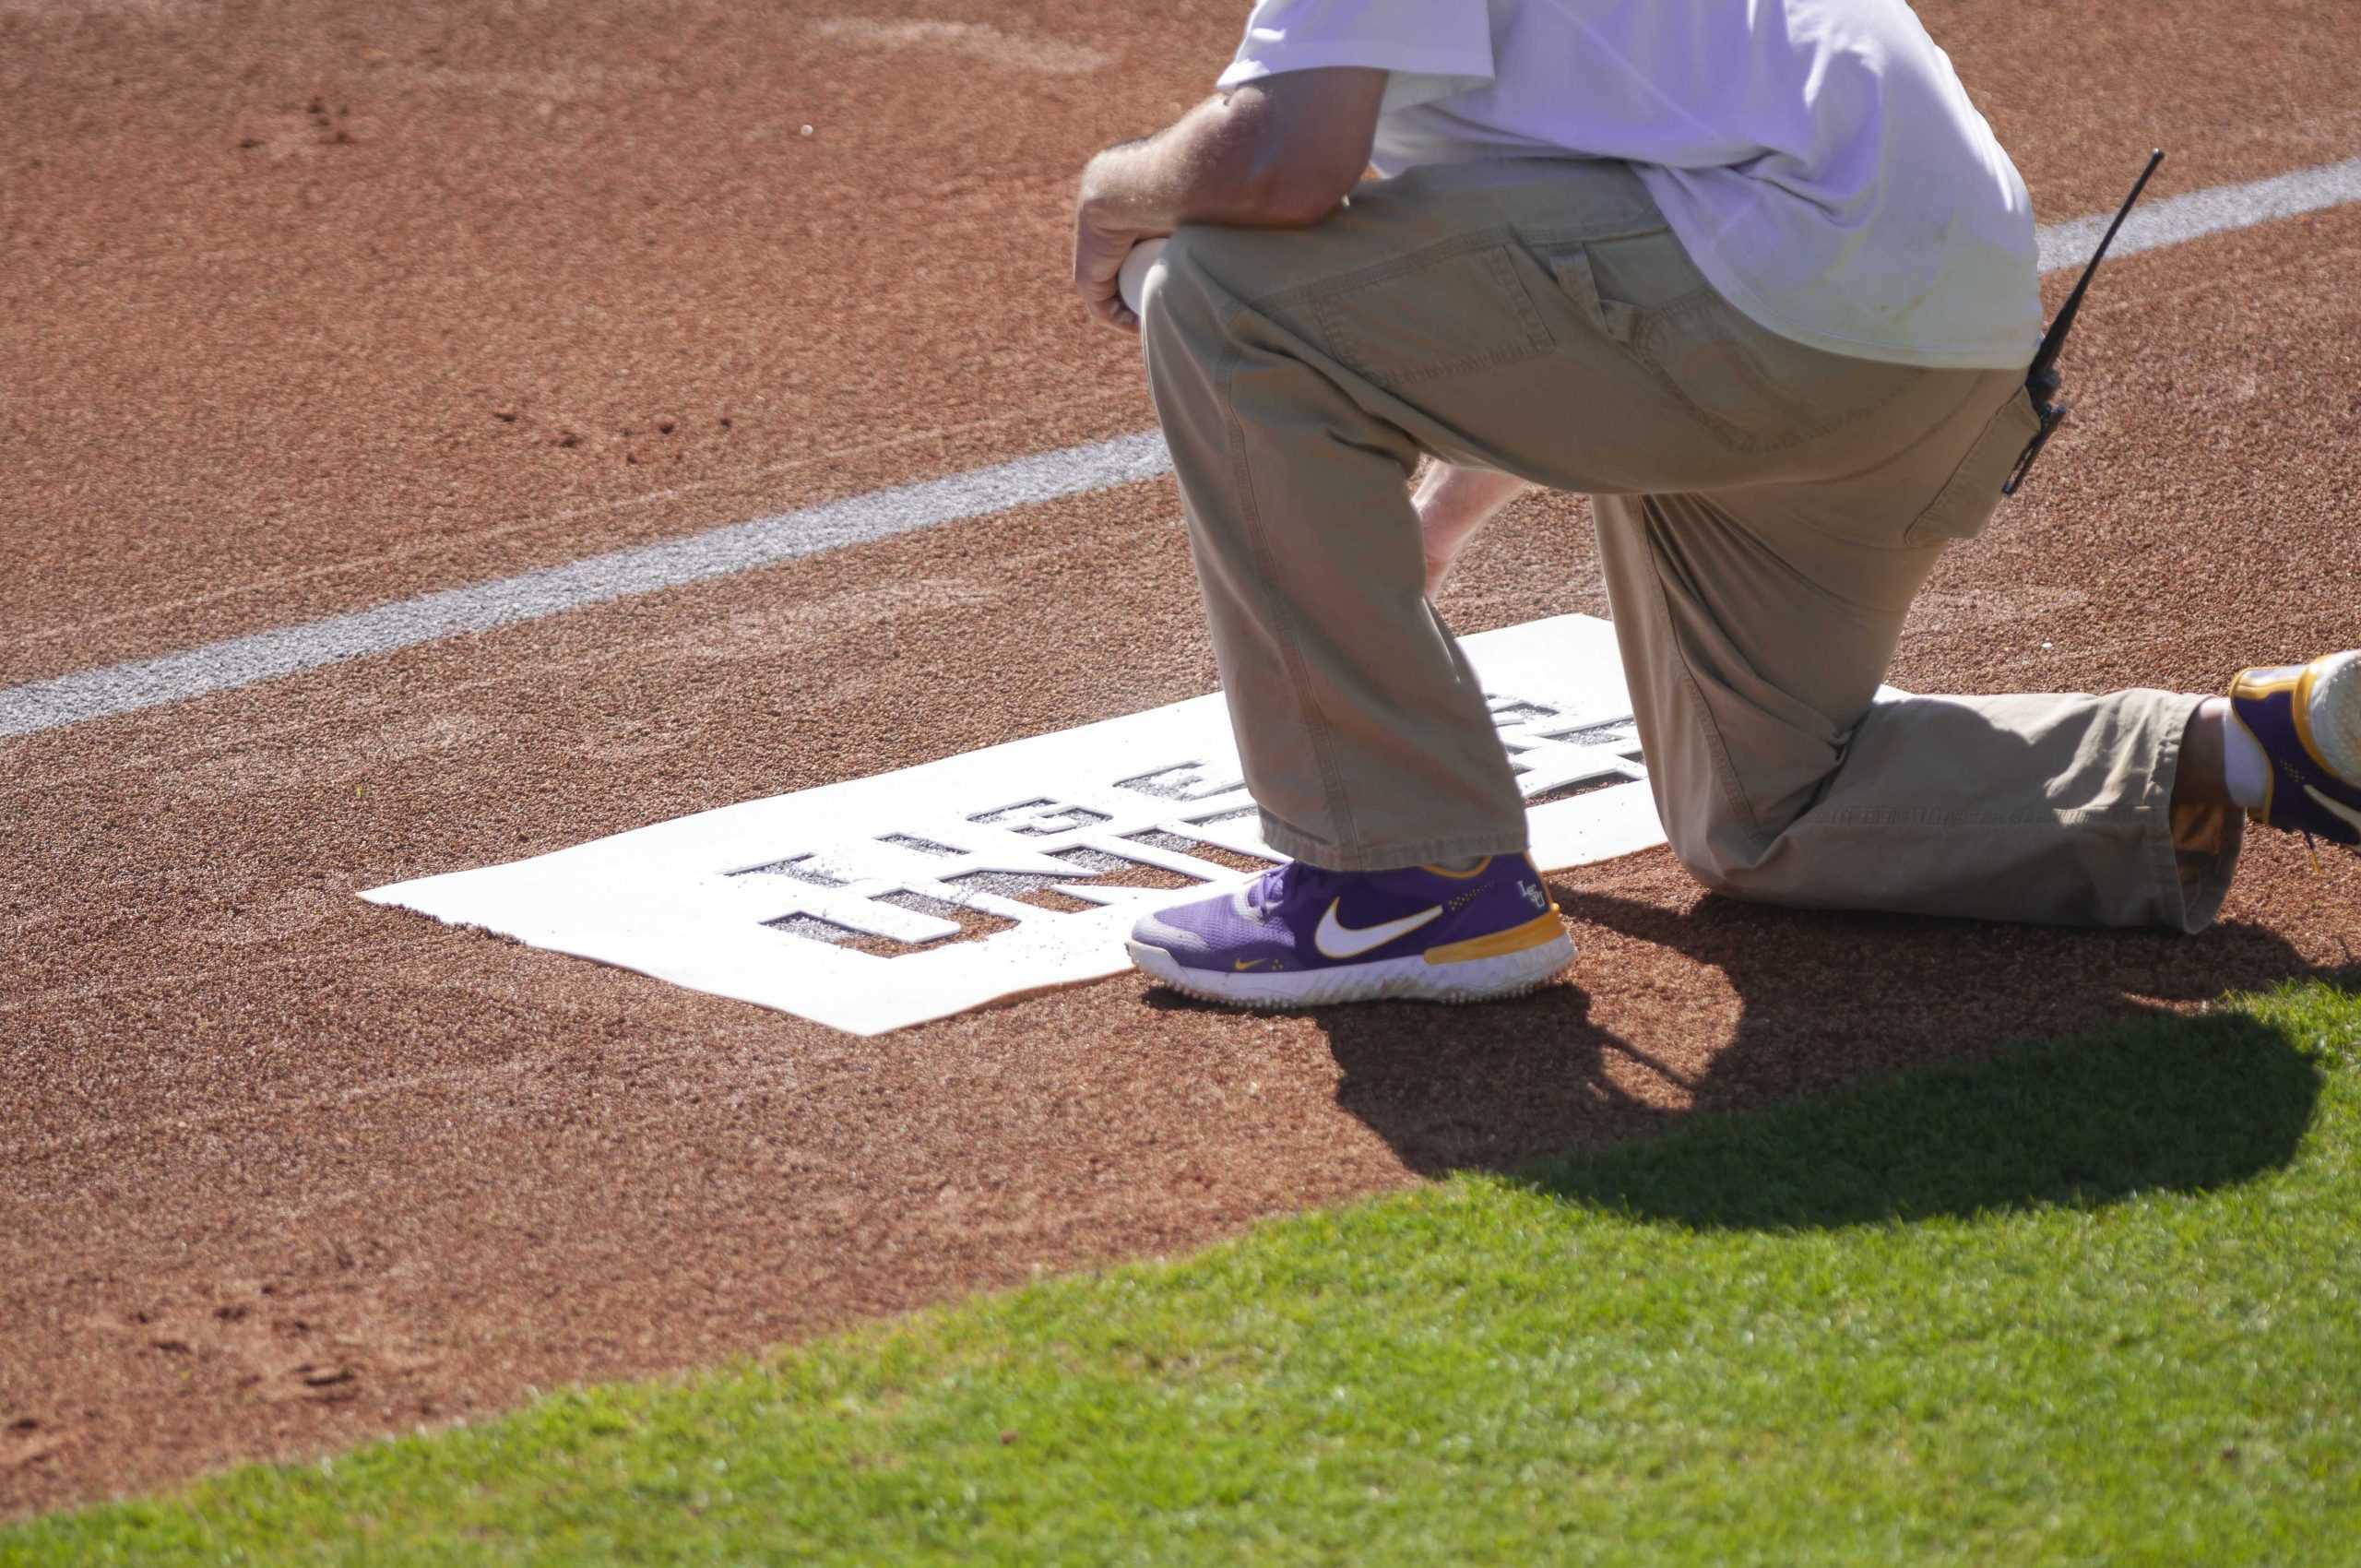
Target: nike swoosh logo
<point x="2336" y="808"/>
<point x="1243" y="964"/>
<point x="1336" y="940"/>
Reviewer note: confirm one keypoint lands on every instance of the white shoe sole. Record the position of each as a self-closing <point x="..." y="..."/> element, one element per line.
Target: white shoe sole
<point x="1403" y="980"/>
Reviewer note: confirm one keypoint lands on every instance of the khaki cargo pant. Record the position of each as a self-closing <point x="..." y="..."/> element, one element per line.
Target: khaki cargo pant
<point x="1765" y="511"/>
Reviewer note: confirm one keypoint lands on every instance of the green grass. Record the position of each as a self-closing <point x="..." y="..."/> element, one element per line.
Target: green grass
<point x="2091" y="1302"/>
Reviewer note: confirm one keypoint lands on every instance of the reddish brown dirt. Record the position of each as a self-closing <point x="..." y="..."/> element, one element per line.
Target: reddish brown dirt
<point x="281" y="1169"/>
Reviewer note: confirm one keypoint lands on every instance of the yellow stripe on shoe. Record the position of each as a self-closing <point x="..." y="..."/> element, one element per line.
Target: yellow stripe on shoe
<point x="1499" y="944"/>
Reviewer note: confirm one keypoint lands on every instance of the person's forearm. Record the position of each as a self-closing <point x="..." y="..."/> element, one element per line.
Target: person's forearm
<point x="1280" y="153"/>
<point x="1218" y="163"/>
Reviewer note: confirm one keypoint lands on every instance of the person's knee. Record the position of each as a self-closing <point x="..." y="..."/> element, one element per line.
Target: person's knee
<point x="1707" y="869"/>
<point x="1174" y="294"/>
<point x="1715" y="847"/>
<point x="1732" y="842"/>
<point x="1185" y="322"/>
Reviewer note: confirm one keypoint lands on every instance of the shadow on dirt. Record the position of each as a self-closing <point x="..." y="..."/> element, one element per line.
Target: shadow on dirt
<point x="1832" y="1000"/>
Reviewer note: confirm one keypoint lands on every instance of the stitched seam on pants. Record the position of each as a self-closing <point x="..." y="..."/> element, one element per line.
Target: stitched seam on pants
<point x="1659" y="320"/>
<point x="1549" y="236"/>
<point x="1491" y="246"/>
<point x="1901" y="546"/>
<point x="1274" y="614"/>
<point x="1906" y="451"/>
<point x="1315" y="293"/>
<point x="1727" y="775"/>
<point x="1528" y="316"/>
<point x="1464" y="365"/>
<point x="1956" y="485"/>
<point x="1295" y="842"/>
<point x="1917" y="816"/>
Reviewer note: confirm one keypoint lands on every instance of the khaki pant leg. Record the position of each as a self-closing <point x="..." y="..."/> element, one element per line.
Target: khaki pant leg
<point x="1301" y="376"/>
<point x="1361" y="729"/>
<point x="1755" y="626"/>
<point x="1766" y="511"/>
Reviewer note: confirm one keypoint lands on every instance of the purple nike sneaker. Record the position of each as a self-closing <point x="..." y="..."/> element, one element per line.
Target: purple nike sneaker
<point x="2306" y="717"/>
<point x="1298" y="936"/>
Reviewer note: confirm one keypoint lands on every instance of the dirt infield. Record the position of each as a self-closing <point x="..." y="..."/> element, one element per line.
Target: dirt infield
<point x="308" y="312"/>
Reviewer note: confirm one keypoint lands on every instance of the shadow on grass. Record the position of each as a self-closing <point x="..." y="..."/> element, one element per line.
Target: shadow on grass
<point x="1716" y="1009"/>
<point x="2177" y="1104"/>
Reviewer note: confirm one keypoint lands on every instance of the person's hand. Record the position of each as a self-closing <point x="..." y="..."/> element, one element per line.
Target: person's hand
<point x="1277" y="153"/>
<point x="1453" y="502"/>
<point x="1102" y="238"/>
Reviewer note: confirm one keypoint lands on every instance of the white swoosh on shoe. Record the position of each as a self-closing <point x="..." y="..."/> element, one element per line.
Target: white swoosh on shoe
<point x="1336" y="940"/>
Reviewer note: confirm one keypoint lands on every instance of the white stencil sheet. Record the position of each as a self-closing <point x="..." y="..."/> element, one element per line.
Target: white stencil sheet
<point x="759" y="901"/>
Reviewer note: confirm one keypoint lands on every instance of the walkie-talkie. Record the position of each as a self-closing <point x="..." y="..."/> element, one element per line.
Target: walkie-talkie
<point x="2042" y="382"/>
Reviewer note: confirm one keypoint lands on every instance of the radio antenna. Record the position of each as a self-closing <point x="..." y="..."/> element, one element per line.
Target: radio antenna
<point x="2042" y="380"/>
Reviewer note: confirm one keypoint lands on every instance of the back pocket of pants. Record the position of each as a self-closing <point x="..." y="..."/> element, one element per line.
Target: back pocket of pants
<point x="1432" y="314"/>
<point x="1971" y="495"/>
<point x="1750" y="390"/>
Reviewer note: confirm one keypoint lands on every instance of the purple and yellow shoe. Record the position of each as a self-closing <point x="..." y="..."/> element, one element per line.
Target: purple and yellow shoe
<point x="1298" y="936"/>
<point x="2306" y="717"/>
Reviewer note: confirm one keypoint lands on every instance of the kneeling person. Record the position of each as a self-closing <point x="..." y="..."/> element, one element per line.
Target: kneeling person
<point x="1714" y="313"/>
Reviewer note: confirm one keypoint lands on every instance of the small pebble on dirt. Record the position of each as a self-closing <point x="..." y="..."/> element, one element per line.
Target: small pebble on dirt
<point x="666" y="427"/>
<point x="569" y="439"/>
<point x="505" y="416"/>
<point x="805" y="131"/>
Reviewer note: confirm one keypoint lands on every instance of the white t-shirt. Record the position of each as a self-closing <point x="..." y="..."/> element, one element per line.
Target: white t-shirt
<point x="1817" y="158"/>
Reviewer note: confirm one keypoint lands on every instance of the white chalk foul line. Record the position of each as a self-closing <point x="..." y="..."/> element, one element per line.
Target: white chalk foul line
<point x="2195" y="214"/>
<point x="243" y="662"/>
<point x="597" y="579"/>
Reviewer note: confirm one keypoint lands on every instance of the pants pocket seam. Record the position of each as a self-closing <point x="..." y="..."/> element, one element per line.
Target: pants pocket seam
<point x="1346" y="343"/>
<point x="1652" y="326"/>
<point x="1724" y="771"/>
<point x="1984" y="461"/>
<point x="1274" y="611"/>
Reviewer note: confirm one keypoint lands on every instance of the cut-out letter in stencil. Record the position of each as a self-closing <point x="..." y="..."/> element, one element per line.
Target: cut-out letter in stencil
<point x="890" y="900"/>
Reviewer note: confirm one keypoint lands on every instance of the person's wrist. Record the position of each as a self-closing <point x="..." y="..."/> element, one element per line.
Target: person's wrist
<point x="1101" y="180"/>
<point x="1113" y="197"/>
